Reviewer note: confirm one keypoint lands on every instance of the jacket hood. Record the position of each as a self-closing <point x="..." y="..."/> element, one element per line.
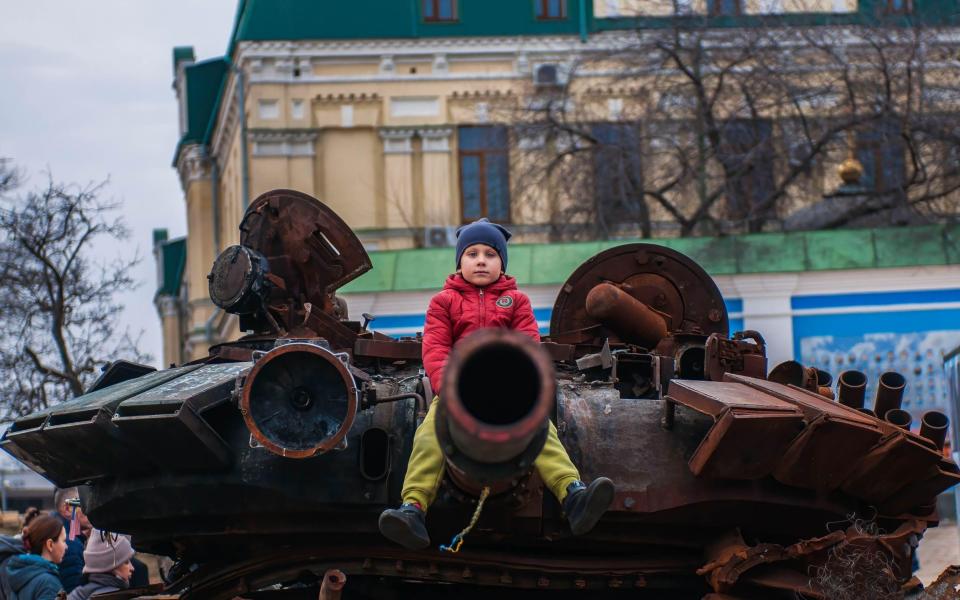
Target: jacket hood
<point x="458" y="283"/>
<point x="10" y="545"/>
<point x="24" y="568"/>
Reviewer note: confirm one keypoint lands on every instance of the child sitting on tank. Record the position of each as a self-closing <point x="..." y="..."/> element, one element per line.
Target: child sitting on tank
<point x="478" y="295"/>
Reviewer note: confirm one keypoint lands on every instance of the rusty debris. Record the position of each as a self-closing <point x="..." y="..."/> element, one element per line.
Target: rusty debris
<point x="265" y="464"/>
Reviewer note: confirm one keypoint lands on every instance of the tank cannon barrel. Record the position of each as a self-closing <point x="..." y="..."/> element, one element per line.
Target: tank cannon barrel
<point x="497" y="395"/>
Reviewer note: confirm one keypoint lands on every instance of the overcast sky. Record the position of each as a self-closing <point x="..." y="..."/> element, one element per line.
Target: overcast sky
<point x="85" y="90"/>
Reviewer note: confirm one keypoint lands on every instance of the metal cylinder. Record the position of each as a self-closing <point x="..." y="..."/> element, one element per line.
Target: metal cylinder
<point x="867" y="411"/>
<point x="933" y="426"/>
<point x="496" y="397"/>
<point x="790" y="372"/>
<point x="889" y="393"/>
<point x="899" y="417"/>
<point x="851" y="388"/>
<point x="632" y="320"/>
<point x="299" y="400"/>
<point x="824" y="379"/>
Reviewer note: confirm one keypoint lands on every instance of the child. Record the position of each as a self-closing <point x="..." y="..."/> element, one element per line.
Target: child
<point x="480" y="295"/>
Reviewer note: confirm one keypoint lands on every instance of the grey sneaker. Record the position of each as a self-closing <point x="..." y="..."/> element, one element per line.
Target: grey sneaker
<point x="405" y="526"/>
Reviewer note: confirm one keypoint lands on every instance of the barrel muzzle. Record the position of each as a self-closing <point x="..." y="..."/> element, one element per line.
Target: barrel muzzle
<point x="933" y="426"/>
<point x="299" y="400"/>
<point x="496" y="398"/>
<point x="851" y="387"/>
<point x="889" y="393"/>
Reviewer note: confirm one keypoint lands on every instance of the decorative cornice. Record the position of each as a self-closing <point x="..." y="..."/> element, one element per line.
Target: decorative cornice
<point x="283" y="142"/>
<point x="435" y="139"/>
<point x="193" y="165"/>
<point x="348" y="98"/>
<point x="397" y="140"/>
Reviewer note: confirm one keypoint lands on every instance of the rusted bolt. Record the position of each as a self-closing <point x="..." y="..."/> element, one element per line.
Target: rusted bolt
<point x="543" y="582"/>
<point x="467" y="573"/>
<point x="642" y="258"/>
<point x="615" y="583"/>
<point x="580" y="583"/>
<point x="628" y="502"/>
<point x="714" y="315"/>
<point x="659" y="261"/>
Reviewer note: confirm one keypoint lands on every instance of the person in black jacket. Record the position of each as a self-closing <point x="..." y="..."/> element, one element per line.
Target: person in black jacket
<point x="71" y="569"/>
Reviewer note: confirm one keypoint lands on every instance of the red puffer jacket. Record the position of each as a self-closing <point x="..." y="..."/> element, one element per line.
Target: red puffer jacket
<point x="462" y="308"/>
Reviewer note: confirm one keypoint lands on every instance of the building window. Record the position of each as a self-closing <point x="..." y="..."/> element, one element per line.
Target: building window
<point x="484" y="173"/>
<point x="618" y="173"/>
<point x="882" y="153"/>
<point x="725" y="8"/>
<point x="899" y="7"/>
<point x="439" y="11"/>
<point x="297" y="109"/>
<point x="746" y="152"/>
<point x="550" y="9"/>
<point x="268" y="109"/>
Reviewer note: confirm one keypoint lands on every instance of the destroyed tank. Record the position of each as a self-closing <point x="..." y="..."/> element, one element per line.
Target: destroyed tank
<point x="262" y="465"/>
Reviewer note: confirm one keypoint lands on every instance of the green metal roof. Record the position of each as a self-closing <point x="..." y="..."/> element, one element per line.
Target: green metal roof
<point x="181" y="54"/>
<point x="551" y="264"/>
<point x="365" y="19"/>
<point x="204" y="82"/>
<point x="174" y="261"/>
<point x="358" y="19"/>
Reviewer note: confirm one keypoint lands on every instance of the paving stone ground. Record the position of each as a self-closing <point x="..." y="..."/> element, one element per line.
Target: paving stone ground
<point x="939" y="548"/>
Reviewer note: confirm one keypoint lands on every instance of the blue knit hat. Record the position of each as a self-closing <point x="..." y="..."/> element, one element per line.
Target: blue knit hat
<point x="483" y="232"/>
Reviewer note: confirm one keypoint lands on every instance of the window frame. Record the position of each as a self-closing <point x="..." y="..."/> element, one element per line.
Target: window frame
<point x="716" y="8"/>
<point x="481" y="156"/>
<point x="905" y="9"/>
<point x="541" y="10"/>
<point x="436" y="18"/>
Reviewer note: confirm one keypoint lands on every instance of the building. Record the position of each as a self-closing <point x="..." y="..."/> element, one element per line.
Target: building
<point x="391" y="112"/>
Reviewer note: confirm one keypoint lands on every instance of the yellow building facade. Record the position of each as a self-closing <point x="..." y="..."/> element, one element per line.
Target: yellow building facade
<point x="392" y="113"/>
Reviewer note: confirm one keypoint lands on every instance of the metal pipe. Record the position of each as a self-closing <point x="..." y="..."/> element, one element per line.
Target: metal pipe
<point x="933" y="426"/>
<point x="632" y="320"/>
<point x="899" y="417"/>
<point x="867" y="411"/>
<point x="851" y="388"/>
<point x="421" y="401"/>
<point x="889" y="393"/>
<point x="497" y="393"/>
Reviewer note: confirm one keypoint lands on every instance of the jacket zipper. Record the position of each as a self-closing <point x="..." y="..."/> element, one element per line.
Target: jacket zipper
<point x="483" y="312"/>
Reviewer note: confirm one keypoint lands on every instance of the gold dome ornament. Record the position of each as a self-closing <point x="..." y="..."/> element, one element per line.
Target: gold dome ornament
<point x="850" y="170"/>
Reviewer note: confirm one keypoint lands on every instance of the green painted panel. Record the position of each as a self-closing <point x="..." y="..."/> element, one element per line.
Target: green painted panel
<point x="840" y="249"/>
<point x="951" y="243"/>
<point x="717" y="255"/>
<point x="424" y="269"/>
<point x="909" y="246"/>
<point x="377" y="279"/>
<point x="520" y="263"/>
<point x="771" y="253"/>
<point x="554" y="263"/>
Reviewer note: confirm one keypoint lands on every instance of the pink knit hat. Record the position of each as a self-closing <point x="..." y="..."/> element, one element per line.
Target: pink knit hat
<point x="106" y="551"/>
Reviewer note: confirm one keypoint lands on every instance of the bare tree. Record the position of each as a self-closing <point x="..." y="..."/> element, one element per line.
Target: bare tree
<point x="59" y="317"/>
<point x="711" y="130"/>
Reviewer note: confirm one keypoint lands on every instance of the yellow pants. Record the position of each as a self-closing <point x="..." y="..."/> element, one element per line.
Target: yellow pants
<point x="425" y="469"/>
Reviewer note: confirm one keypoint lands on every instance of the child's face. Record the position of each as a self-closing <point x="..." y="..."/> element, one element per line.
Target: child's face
<point x="480" y="265"/>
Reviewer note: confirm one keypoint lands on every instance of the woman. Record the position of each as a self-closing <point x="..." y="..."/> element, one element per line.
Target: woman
<point x="34" y="575"/>
<point x="106" y="563"/>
